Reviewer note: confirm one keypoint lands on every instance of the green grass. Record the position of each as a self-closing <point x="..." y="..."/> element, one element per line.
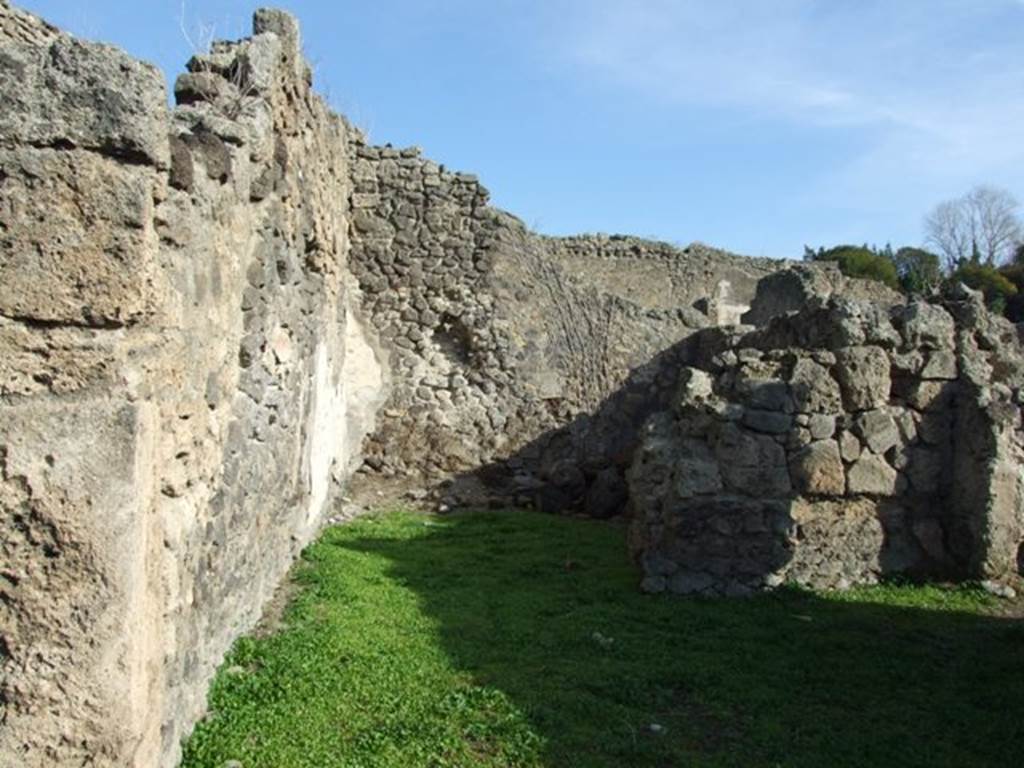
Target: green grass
<point x="515" y="639"/>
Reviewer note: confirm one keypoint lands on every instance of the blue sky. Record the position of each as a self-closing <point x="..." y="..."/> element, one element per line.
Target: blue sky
<point x="751" y="125"/>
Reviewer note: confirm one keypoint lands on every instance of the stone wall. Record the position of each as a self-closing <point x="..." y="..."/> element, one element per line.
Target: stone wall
<point x="524" y="365"/>
<point x="184" y="381"/>
<point x="839" y="444"/>
<point x="205" y="310"/>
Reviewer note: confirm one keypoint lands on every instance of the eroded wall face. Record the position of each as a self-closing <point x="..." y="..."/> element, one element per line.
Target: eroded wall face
<point x="507" y="346"/>
<point x="839" y="445"/>
<point x="184" y="382"/>
<point x="524" y="365"/>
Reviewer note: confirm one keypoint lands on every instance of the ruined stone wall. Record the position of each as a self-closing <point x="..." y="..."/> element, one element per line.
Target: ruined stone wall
<point x="524" y="365"/>
<point x="204" y="310"/>
<point x="532" y="358"/>
<point x="840" y="444"/>
<point x="183" y="378"/>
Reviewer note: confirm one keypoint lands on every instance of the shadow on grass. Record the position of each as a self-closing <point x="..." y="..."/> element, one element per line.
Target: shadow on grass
<point x="546" y="611"/>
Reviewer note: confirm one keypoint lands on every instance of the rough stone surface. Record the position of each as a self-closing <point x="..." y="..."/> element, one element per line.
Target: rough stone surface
<point x="184" y="380"/>
<point x="211" y="315"/>
<point x="817" y="470"/>
<point x="889" y="466"/>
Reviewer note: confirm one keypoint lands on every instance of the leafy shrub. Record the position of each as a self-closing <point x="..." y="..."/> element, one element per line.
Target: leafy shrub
<point x="859" y="261"/>
<point x="996" y="286"/>
<point x="1014" y="310"/>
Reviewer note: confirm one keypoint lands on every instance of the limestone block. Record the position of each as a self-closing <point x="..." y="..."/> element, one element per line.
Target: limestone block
<point x="695" y="388"/>
<point x="81" y="614"/>
<point x="696" y="470"/>
<point x="878" y="430"/>
<point x="941" y="365"/>
<point x="863" y="374"/>
<point x="76" y="242"/>
<point x="752" y="464"/>
<point x="872" y="476"/>
<point x="814" y="389"/>
<point x="71" y="93"/>
<point x="817" y="470"/>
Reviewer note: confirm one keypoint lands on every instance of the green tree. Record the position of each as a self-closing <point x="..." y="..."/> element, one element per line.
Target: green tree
<point x="998" y="289"/>
<point x="859" y="261"/>
<point x="919" y="270"/>
<point x="1014" y="310"/>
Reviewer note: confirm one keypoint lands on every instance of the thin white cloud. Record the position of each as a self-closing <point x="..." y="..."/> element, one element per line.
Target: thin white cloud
<point x="936" y="85"/>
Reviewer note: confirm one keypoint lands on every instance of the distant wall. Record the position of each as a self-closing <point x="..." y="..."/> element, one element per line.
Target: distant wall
<point x="184" y="381"/>
<point x="505" y="344"/>
<point x="838" y="445"/>
<point x="525" y="365"/>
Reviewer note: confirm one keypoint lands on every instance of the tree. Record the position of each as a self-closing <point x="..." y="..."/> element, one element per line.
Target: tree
<point x="919" y="270"/>
<point x="859" y="261"/>
<point x="999" y="290"/>
<point x="1014" y="310"/>
<point x="983" y="226"/>
<point x="1018" y="254"/>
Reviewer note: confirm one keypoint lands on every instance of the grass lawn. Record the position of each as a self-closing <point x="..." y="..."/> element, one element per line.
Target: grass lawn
<point x="517" y="639"/>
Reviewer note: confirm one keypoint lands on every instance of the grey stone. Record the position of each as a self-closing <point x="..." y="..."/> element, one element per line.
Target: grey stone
<point x="871" y="475"/>
<point x="768" y="395"/>
<point x="932" y="395"/>
<point x="752" y="464"/>
<point x="863" y="374"/>
<point x="930" y="536"/>
<point x="696" y="470"/>
<point x="878" y="430"/>
<point x="849" y="446"/>
<point x="607" y="495"/>
<point x="817" y="470"/>
<point x="925" y="469"/>
<point x="941" y="365"/>
<point x="769" y="422"/>
<point x="653" y="585"/>
<point x="923" y="325"/>
<point x="814" y="389"/>
<point x="999" y="590"/>
<point x="822" y="426"/>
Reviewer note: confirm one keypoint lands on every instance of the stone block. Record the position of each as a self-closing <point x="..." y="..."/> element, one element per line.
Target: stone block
<point x="817" y="470"/>
<point x="76" y="239"/>
<point x="696" y="470"/>
<point x="864" y="377"/>
<point x="71" y="93"/>
<point x="814" y="389"/>
<point x="768" y="422"/>
<point x="941" y="366"/>
<point x="871" y="476"/>
<point x="752" y="464"/>
<point x="878" y="430"/>
<point x="822" y="426"/>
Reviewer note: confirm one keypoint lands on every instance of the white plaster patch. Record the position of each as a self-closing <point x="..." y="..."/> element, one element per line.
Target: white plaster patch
<point x="343" y="413"/>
